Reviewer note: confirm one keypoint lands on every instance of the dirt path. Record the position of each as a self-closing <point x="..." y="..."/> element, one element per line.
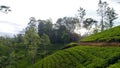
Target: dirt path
<point x="94" y="44"/>
<point x="100" y="43"/>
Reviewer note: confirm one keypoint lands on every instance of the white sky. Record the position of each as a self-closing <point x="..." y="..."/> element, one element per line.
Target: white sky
<point x="22" y="10"/>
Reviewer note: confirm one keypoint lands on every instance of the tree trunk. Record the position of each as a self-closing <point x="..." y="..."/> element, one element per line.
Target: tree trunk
<point x="111" y="24"/>
<point x="102" y="25"/>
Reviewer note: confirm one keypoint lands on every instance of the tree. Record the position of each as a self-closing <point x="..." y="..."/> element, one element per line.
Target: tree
<point x="31" y="39"/>
<point x="45" y="27"/>
<point x="5" y="9"/>
<point x="81" y="14"/>
<point x="60" y="34"/>
<point x="60" y="31"/>
<point x="12" y="60"/>
<point x="110" y="16"/>
<point x="45" y="40"/>
<point x="90" y="24"/>
<point x="65" y="29"/>
<point x="102" y="12"/>
<point x="18" y="38"/>
<point x="70" y="23"/>
<point x="3" y="61"/>
<point x="63" y="35"/>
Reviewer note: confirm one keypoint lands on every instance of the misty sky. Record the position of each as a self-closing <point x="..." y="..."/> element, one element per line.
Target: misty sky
<point x="22" y="10"/>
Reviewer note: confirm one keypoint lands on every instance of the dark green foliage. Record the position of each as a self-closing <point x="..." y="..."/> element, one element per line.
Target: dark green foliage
<point x="60" y="32"/>
<point x="116" y="65"/>
<point x="72" y="44"/>
<point x="61" y="35"/>
<point x="45" y="27"/>
<point x="111" y="35"/>
<point x="70" y="23"/>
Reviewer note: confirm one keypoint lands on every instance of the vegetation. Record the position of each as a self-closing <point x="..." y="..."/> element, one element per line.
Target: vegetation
<point x="107" y="14"/>
<point x="110" y="35"/>
<point x="81" y="57"/>
<point x="116" y="65"/>
<point x="46" y="45"/>
<point x="63" y="31"/>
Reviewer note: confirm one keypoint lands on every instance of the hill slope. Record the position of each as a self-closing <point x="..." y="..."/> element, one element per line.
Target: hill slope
<point x="81" y="57"/>
<point x="111" y="35"/>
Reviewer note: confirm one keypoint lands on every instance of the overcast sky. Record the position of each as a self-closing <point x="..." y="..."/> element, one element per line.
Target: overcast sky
<point x="22" y="10"/>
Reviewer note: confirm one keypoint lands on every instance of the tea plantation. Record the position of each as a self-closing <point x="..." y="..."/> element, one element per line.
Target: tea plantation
<point x="111" y="35"/>
<point x="82" y="57"/>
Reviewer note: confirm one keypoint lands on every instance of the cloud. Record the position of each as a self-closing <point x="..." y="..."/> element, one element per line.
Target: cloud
<point x="117" y="1"/>
<point x="10" y="23"/>
<point x="22" y="10"/>
<point x="8" y="27"/>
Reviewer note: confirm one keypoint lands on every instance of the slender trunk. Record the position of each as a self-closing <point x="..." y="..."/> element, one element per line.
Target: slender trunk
<point x="102" y="25"/>
<point x="111" y="24"/>
<point x="4" y="66"/>
<point x="33" y="60"/>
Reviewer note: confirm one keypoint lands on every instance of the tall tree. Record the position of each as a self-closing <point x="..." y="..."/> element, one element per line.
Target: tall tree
<point x="45" y="27"/>
<point x="45" y="41"/>
<point x="102" y="7"/>
<point x="81" y="13"/>
<point x="111" y="15"/>
<point x="31" y="39"/>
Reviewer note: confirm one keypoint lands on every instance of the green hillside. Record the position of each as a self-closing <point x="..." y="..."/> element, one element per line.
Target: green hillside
<point x="111" y="35"/>
<point x="81" y="57"/>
